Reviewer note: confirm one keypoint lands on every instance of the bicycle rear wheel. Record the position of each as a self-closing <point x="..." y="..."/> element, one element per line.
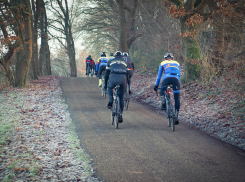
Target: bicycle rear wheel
<point x="172" y="116"/>
<point x="116" y="112"/>
<point x="168" y="113"/>
<point x="87" y="71"/>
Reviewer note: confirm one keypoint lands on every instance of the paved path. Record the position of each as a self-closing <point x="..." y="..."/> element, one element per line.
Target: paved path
<point x="144" y="148"/>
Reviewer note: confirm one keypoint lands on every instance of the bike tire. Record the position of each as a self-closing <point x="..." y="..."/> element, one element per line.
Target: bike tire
<point x="116" y="113"/>
<point x="172" y="116"/>
<point x="168" y="113"/>
<point x="87" y="71"/>
<point x="112" y="115"/>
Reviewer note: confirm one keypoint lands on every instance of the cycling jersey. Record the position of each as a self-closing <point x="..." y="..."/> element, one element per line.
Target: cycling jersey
<point x="129" y="62"/>
<point x="101" y="61"/>
<point x="171" y="69"/>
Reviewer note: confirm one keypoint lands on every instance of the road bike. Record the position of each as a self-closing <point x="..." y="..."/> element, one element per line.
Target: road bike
<point x="103" y="91"/>
<point x="116" y="107"/>
<point x="169" y="106"/>
<point x="126" y="97"/>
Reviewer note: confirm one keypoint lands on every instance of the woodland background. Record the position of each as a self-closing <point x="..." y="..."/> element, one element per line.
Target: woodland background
<point x="54" y="37"/>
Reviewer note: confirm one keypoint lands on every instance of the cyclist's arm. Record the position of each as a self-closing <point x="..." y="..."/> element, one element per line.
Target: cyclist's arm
<point x="133" y="65"/>
<point x="97" y="66"/>
<point x="160" y="70"/>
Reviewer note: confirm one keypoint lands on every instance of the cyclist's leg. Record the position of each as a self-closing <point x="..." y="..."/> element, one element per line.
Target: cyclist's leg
<point x="176" y="91"/>
<point x="110" y="86"/>
<point x="166" y="81"/>
<point x="122" y="81"/>
<point x="130" y="74"/>
<point x="101" y="68"/>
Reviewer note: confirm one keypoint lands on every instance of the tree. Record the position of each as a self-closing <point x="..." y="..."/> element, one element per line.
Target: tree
<point x="16" y="27"/>
<point x="24" y="31"/>
<point x="36" y="13"/>
<point x="44" y="58"/>
<point x="192" y="14"/>
<point x="63" y="24"/>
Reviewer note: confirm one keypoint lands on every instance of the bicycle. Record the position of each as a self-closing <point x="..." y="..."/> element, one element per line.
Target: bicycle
<point x="169" y="106"/>
<point x="116" y="107"/>
<point x="103" y="91"/>
<point x="126" y="97"/>
<point x="92" y="71"/>
<point x="87" y="68"/>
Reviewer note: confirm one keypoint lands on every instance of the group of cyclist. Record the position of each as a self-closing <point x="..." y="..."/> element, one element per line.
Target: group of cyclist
<point x="119" y="69"/>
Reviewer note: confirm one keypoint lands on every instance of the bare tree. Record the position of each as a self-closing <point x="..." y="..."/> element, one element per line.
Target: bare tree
<point x="63" y="24"/>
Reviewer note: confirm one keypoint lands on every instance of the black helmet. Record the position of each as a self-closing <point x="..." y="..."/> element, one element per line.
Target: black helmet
<point x="118" y="54"/>
<point x="103" y="54"/>
<point x="125" y="54"/>
<point x="111" y="54"/>
<point x="89" y="56"/>
<point x="168" y="55"/>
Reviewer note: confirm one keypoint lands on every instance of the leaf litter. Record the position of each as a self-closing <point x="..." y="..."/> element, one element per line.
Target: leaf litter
<point x="40" y="144"/>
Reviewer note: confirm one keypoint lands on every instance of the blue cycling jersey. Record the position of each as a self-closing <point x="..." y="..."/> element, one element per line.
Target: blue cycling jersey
<point x="102" y="61"/>
<point x="171" y="68"/>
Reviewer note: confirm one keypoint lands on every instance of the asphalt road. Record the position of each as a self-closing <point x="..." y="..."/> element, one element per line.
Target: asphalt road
<point x="144" y="148"/>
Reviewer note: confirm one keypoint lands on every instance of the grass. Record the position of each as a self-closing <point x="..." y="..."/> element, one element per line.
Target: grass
<point x="77" y="150"/>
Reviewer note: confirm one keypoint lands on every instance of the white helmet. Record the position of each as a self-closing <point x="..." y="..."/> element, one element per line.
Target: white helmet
<point x="125" y="54"/>
<point x="118" y="54"/>
<point x="168" y="55"/>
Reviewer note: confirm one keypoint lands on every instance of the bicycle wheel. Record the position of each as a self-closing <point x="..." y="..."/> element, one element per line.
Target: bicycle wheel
<point x="87" y="72"/>
<point x="116" y="112"/>
<point x="126" y="98"/>
<point x="168" y="113"/>
<point x="172" y="116"/>
<point x="113" y="109"/>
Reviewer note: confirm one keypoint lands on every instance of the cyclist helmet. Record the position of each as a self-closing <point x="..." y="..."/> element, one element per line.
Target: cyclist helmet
<point x="111" y="54"/>
<point x="118" y="54"/>
<point x="125" y="54"/>
<point x="103" y="54"/>
<point x="168" y="55"/>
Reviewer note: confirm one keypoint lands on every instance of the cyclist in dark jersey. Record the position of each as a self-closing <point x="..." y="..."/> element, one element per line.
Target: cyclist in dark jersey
<point x="130" y="64"/>
<point x="117" y="69"/>
<point x="89" y="62"/>
<point x="171" y="75"/>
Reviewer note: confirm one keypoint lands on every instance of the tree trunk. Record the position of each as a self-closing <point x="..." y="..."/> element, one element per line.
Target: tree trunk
<point x="36" y="13"/>
<point x="191" y="50"/>
<point x="123" y="27"/>
<point x="24" y="56"/>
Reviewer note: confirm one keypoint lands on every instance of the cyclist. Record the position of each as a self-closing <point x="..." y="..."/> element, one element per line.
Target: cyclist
<point x="130" y="64"/>
<point x="171" y="75"/>
<point x="101" y="66"/>
<point x="117" y="69"/>
<point x="89" y="61"/>
<point x="111" y="56"/>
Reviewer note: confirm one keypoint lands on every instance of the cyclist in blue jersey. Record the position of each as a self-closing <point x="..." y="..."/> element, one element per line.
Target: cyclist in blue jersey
<point x="102" y="62"/>
<point x="171" y="75"/>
